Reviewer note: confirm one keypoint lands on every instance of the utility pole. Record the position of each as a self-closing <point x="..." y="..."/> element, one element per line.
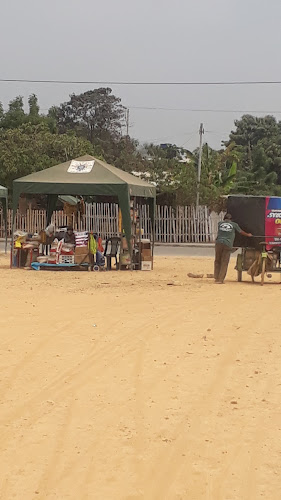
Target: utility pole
<point x="201" y="132"/>
<point x="127" y="120"/>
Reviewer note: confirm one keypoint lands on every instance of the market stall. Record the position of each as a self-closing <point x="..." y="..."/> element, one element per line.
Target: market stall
<point x="4" y="200"/>
<point x="89" y="176"/>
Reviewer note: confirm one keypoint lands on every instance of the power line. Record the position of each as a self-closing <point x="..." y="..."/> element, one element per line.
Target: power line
<point x="195" y="110"/>
<point x="99" y="82"/>
<point x="190" y="139"/>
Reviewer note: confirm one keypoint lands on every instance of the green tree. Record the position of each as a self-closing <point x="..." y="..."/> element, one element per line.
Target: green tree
<point x="29" y="148"/>
<point x="261" y="179"/>
<point x="171" y="170"/>
<point x="33" y="106"/>
<point x="126" y="155"/>
<point x="97" y="115"/>
<point x="1" y="112"/>
<point x="257" y="140"/>
<point x="16" y="117"/>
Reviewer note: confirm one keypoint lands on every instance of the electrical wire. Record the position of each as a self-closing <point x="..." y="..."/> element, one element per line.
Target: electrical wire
<point x="192" y="110"/>
<point x="195" y="110"/>
<point x="100" y="82"/>
<point x="190" y="139"/>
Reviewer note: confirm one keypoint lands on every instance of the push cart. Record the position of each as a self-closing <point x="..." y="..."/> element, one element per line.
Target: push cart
<point x="260" y="216"/>
<point x="267" y="261"/>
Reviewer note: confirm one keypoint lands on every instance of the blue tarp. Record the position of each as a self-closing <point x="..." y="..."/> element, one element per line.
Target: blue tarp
<point x="37" y="265"/>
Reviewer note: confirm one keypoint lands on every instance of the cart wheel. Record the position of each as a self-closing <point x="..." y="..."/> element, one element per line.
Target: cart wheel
<point x="263" y="270"/>
<point x="239" y="267"/>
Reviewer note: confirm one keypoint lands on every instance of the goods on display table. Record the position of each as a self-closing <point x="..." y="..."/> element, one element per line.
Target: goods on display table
<point x="66" y="249"/>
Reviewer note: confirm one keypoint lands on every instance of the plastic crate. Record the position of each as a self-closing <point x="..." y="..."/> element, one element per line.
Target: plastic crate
<point x="66" y="259"/>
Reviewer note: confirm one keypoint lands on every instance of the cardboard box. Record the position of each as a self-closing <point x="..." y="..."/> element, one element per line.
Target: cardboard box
<point x="146" y="265"/>
<point x="146" y="258"/>
<point x="81" y="258"/>
<point x="81" y="250"/>
<point x="81" y="255"/>
<point x="146" y="252"/>
<point x="145" y="245"/>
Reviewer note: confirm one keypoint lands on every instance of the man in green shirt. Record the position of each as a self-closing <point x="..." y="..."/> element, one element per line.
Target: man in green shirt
<point x="224" y="244"/>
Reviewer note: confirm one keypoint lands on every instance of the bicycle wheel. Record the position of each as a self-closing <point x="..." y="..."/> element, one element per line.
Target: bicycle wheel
<point x="263" y="270"/>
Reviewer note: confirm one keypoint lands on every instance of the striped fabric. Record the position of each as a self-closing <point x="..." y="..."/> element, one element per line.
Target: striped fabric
<point x="81" y="239"/>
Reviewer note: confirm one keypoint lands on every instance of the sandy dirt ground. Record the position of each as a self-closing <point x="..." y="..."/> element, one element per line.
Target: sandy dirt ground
<point x="121" y="386"/>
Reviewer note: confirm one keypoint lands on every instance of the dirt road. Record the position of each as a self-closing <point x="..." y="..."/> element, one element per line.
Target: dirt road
<point x="121" y="386"/>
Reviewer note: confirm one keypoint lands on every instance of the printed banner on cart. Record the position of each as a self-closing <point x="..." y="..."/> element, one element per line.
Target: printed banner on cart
<point x="272" y="222"/>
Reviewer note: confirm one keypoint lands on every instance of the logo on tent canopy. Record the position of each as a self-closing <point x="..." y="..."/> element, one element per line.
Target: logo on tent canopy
<point x="80" y="167"/>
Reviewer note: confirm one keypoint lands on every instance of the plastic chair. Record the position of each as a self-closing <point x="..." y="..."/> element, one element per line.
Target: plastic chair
<point x="110" y="253"/>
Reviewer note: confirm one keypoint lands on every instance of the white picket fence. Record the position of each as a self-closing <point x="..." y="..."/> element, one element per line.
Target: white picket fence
<point x="172" y="225"/>
<point x="186" y="224"/>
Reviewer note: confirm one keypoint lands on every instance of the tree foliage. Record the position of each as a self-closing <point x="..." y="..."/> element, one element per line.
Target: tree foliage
<point x="97" y="115"/>
<point x="16" y="116"/>
<point x="92" y="122"/>
<point x="257" y="141"/>
<point x="29" y="148"/>
<point x="172" y="170"/>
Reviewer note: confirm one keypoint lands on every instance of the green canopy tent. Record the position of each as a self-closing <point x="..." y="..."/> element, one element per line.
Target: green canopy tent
<point x="87" y="176"/>
<point x="4" y="199"/>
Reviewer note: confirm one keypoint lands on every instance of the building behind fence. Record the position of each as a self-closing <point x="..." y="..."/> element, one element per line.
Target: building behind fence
<point x="172" y="225"/>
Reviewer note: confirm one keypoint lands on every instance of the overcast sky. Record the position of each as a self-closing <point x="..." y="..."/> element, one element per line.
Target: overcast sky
<point x="155" y="40"/>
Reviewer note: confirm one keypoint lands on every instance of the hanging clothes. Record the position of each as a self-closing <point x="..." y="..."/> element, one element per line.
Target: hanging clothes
<point x="92" y="245"/>
<point x="100" y="247"/>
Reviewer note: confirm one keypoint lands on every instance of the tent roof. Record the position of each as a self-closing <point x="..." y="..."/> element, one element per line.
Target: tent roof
<point x="103" y="179"/>
<point x="3" y="192"/>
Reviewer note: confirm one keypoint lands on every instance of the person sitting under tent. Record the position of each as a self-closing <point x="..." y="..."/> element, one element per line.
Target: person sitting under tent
<point x="100" y="250"/>
<point x="69" y="236"/>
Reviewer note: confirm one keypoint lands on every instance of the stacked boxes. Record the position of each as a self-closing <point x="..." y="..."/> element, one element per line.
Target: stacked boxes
<point x="81" y="249"/>
<point x="146" y="255"/>
<point x="81" y="255"/>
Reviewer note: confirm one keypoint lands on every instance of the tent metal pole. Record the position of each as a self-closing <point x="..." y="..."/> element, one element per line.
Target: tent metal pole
<point x="6" y="226"/>
<point x="12" y="242"/>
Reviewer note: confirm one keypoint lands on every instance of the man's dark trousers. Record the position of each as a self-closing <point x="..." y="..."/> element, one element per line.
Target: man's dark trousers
<point x="221" y="261"/>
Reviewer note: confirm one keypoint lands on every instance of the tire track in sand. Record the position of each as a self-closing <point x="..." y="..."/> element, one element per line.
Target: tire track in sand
<point x="23" y="362"/>
<point x="52" y="469"/>
<point x="78" y="376"/>
<point x="167" y="466"/>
